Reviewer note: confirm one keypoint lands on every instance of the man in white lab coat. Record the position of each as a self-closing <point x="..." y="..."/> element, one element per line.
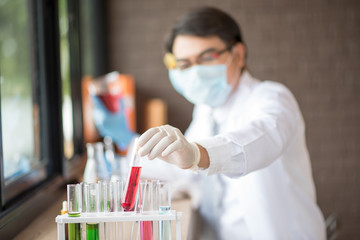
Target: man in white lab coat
<point x="246" y="139"/>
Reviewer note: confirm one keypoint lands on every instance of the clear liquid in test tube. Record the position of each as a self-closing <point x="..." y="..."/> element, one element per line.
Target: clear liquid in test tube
<point x="164" y="201"/>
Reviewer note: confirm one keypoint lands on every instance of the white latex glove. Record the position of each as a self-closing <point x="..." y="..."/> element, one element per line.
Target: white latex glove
<point x="169" y="144"/>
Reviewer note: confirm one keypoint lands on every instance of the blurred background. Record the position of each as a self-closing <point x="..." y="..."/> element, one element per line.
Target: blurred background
<point x="49" y="48"/>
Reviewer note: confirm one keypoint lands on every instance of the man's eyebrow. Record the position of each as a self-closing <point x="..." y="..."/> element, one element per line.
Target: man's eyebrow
<point x="203" y="52"/>
<point x="182" y="60"/>
<point x="207" y="50"/>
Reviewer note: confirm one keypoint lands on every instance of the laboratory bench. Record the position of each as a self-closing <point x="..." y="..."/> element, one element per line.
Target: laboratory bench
<point x="44" y="226"/>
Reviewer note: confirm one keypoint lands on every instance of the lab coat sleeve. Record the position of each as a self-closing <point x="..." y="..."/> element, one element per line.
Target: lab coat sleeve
<point x="263" y="130"/>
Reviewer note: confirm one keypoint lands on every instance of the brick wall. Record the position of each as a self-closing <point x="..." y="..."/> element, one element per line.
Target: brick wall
<point x="312" y="46"/>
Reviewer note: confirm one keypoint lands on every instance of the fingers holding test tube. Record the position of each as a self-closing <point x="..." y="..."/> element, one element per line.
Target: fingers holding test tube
<point x="157" y="141"/>
<point x="169" y="144"/>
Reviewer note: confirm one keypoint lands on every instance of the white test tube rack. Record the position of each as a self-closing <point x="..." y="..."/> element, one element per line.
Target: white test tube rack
<point x="172" y="215"/>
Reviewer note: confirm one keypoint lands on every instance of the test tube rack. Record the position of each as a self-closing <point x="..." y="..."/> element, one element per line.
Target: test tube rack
<point x="103" y="217"/>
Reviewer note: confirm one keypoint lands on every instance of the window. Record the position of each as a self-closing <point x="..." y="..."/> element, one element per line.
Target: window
<point x="20" y="103"/>
<point x="41" y="135"/>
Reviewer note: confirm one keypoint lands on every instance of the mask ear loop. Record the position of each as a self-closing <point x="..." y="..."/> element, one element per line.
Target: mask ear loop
<point x="244" y="67"/>
<point x="232" y="58"/>
<point x="231" y="55"/>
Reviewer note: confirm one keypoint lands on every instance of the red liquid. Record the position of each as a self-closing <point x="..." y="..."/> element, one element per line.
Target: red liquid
<point x="128" y="201"/>
<point x="111" y="102"/>
<point x="146" y="230"/>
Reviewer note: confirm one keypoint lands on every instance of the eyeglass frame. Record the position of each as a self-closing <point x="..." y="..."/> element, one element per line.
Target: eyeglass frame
<point x="198" y="60"/>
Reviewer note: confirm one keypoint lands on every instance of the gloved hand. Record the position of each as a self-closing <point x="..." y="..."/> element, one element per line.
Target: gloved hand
<point x="112" y="124"/>
<point x="169" y="144"/>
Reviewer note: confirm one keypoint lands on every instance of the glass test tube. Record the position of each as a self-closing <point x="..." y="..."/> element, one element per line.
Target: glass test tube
<point x="84" y="189"/>
<point x="164" y="201"/>
<point x="74" y="209"/>
<point x="131" y="187"/>
<point x="103" y="196"/>
<point x="131" y="190"/>
<point x="103" y="205"/>
<point x="92" y="207"/>
<point x="107" y="205"/>
<point x="155" y="200"/>
<point x="146" y="204"/>
<point x="118" y="189"/>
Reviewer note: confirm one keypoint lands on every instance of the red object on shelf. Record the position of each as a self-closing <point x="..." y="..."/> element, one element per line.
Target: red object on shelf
<point x="111" y="101"/>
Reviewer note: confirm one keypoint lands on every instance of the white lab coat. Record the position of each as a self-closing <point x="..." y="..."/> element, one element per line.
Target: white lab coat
<point x="260" y="178"/>
<point x="259" y="184"/>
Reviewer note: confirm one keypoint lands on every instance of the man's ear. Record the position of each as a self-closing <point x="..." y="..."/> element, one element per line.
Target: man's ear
<point x="239" y="52"/>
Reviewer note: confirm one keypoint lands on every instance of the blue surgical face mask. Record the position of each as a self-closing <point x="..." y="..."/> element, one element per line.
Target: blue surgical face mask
<point x="202" y="84"/>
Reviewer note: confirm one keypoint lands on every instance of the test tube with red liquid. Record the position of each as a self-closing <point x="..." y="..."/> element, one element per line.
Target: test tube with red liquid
<point x="146" y="205"/>
<point x="132" y="183"/>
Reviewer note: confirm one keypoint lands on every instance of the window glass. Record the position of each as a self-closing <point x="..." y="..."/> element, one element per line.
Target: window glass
<point x="19" y="106"/>
<point x="67" y="110"/>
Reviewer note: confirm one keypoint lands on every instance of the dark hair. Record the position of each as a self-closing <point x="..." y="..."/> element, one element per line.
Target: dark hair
<point x="205" y="22"/>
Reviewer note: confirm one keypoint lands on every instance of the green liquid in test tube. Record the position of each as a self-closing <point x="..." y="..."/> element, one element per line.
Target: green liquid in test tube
<point x="92" y="231"/>
<point x="92" y="206"/>
<point x="74" y="231"/>
<point x="74" y="209"/>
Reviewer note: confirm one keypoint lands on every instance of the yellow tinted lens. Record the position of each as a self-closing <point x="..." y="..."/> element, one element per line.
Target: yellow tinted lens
<point x="170" y="61"/>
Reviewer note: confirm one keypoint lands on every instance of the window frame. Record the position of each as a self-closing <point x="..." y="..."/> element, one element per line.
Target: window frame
<point x="72" y="167"/>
